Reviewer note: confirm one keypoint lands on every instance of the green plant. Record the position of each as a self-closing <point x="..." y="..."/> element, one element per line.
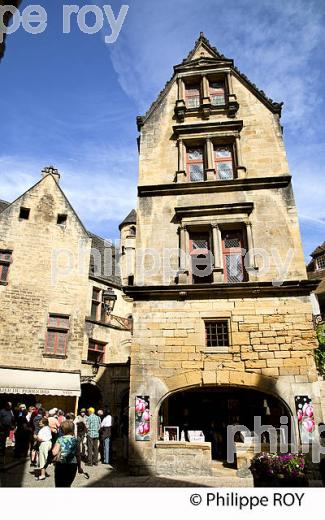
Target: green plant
<point x="320" y="351"/>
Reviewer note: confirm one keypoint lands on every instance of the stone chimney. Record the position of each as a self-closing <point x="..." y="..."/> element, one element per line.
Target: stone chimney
<point x="53" y="171"/>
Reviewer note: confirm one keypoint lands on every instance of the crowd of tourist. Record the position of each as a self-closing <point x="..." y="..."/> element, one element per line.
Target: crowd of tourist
<point x="58" y="438"/>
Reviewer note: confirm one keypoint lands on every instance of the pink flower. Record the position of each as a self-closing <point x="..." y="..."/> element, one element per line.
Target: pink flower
<point x="140" y="406"/>
<point x="309" y="411"/>
<point x="143" y="428"/>
<point x="309" y="425"/>
<point x="299" y="415"/>
<point x="146" y="428"/>
<point x="146" y="416"/>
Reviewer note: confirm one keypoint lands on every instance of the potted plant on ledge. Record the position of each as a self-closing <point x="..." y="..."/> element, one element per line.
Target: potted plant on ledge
<point x="283" y="470"/>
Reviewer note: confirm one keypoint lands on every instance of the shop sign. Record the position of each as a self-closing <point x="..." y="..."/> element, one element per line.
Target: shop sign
<point x="196" y="436"/>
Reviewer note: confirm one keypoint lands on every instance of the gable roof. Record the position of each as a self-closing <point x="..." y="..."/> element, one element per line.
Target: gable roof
<point x="203" y="42"/>
<point x="213" y="56"/>
<point x="108" y="263"/>
<point x="98" y="243"/>
<point x="319" y="250"/>
<point x="3" y="205"/>
<point x="131" y="218"/>
<point x="61" y="191"/>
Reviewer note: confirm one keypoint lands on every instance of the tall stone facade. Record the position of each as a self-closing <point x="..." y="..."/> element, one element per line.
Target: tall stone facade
<point x="49" y="318"/>
<point x="214" y="177"/>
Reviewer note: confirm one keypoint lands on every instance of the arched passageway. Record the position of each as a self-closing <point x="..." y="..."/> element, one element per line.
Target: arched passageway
<point x="212" y="409"/>
<point x="90" y="396"/>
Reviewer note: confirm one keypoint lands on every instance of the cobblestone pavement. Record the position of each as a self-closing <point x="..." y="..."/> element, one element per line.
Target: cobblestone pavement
<point x="20" y="474"/>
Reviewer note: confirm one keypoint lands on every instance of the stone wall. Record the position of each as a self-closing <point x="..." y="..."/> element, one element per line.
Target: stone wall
<point x="183" y="458"/>
<point x="262" y="148"/>
<point x="48" y="274"/>
<point x="272" y="350"/>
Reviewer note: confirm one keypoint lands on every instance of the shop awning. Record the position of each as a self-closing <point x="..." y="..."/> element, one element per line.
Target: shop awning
<point x="15" y="381"/>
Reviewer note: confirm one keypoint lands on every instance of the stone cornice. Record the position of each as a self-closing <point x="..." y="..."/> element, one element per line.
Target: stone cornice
<point x="214" y="209"/>
<point x="186" y="188"/>
<point x="221" y="291"/>
<point x="202" y="64"/>
<point x="209" y="127"/>
<point x="37" y="369"/>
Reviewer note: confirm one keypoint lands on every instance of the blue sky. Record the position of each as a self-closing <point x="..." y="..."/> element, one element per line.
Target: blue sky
<point x="71" y="100"/>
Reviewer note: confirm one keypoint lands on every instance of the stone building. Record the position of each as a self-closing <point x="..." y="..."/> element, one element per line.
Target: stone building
<point x="316" y="271"/>
<point x="65" y="323"/>
<point x="212" y="323"/>
<point x="222" y="316"/>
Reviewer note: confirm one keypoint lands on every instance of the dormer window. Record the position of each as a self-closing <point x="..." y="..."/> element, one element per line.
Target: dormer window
<point x="192" y="96"/>
<point x="217" y="93"/>
<point x="194" y="164"/>
<point x="224" y="162"/>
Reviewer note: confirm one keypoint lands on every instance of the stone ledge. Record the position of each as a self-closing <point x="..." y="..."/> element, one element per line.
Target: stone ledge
<point x="254" y="183"/>
<point x="183" y="444"/>
<point x="221" y="290"/>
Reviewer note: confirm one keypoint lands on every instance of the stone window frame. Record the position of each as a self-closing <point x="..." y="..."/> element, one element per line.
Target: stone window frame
<point x="241" y="233"/>
<point x="98" y="303"/>
<point x="196" y="83"/>
<point x="99" y="351"/>
<point x="203" y="80"/>
<point x="59" y="329"/>
<point x="207" y="143"/>
<point x="210" y="316"/>
<point x="216" y="225"/>
<point x="5" y="263"/>
<point x="204" y="230"/>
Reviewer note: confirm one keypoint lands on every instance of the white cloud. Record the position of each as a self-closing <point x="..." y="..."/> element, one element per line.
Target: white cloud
<point x="99" y="181"/>
<point x="272" y="43"/>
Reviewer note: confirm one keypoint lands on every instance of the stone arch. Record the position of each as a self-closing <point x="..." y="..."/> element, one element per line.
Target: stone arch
<point x="269" y="385"/>
<point x="90" y="395"/>
<point x="250" y="380"/>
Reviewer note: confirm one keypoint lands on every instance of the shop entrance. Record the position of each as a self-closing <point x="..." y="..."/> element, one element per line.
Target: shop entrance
<point x="212" y="409"/>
